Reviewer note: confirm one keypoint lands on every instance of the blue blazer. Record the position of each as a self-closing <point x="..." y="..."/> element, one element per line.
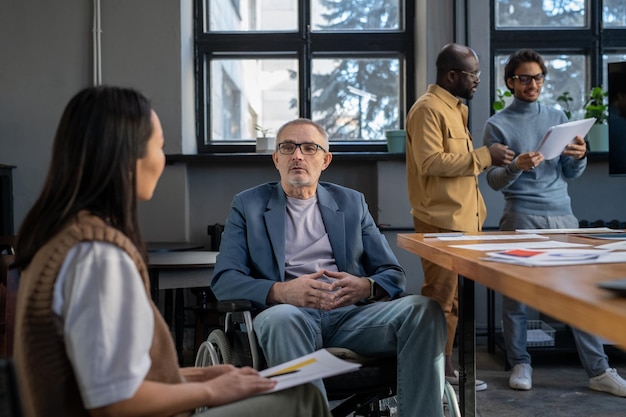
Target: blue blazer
<point x="252" y="249"/>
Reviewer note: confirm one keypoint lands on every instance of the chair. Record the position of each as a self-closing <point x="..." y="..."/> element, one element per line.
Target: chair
<point x="8" y="296"/>
<point x="7" y="244"/>
<point x="10" y="405"/>
<point x="359" y="393"/>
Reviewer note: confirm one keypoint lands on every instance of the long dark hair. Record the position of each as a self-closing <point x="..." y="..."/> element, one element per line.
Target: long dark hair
<point x="102" y="133"/>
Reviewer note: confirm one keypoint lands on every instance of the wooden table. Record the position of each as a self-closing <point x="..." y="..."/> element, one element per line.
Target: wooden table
<point x="567" y="293"/>
<point x="176" y="270"/>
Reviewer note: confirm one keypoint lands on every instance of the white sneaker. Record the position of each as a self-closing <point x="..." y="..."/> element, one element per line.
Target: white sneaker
<point x="610" y="382"/>
<point x="454" y="380"/>
<point x="521" y="377"/>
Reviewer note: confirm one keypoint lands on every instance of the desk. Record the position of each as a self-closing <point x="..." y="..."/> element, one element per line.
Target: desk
<point x="175" y="271"/>
<point x="567" y="293"/>
<point x="172" y="246"/>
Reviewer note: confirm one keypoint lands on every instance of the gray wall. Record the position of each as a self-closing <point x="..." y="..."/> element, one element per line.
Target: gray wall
<point x="46" y="50"/>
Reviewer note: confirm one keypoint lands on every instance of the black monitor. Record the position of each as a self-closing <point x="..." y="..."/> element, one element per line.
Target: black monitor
<point x="617" y="118"/>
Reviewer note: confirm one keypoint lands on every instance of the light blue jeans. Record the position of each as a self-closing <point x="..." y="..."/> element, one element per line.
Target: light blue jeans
<point x="590" y="348"/>
<point x="301" y="401"/>
<point x="412" y="327"/>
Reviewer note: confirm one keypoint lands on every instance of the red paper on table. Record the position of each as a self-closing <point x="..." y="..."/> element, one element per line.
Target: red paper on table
<point x="522" y="253"/>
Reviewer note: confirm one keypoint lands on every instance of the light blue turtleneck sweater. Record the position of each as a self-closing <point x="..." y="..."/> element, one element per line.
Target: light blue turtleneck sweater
<point x="542" y="192"/>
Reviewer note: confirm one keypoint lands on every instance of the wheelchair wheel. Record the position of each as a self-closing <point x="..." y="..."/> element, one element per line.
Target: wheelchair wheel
<point x="215" y="350"/>
<point x="451" y="405"/>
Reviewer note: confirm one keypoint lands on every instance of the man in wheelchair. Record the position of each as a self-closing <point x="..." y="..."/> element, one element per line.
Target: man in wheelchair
<point x="310" y="256"/>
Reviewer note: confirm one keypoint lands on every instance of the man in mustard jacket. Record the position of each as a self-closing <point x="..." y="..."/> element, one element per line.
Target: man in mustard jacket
<point x="442" y="168"/>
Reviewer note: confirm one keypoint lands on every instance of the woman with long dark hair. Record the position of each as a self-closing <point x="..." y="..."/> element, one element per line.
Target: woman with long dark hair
<point x="89" y="340"/>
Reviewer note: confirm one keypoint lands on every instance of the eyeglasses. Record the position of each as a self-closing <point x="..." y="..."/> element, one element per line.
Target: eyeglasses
<point x="288" y="148"/>
<point x="475" y="75"/>
<point x="525" y="79"/>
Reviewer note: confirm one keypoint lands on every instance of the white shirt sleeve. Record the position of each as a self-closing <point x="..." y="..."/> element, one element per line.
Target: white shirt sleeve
<point x="107" y="322"/>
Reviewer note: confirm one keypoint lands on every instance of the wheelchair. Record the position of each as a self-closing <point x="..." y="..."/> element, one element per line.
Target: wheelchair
<point x="367" y="392"/>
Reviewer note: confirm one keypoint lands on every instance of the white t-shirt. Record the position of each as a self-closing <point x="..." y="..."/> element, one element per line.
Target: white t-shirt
<point x="107" y="322"/>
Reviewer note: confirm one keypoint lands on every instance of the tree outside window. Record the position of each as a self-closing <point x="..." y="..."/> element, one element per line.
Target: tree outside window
<point x="347" y="72"/>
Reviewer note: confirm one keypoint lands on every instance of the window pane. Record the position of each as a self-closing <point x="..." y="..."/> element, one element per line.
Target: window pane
<point x="356" y="99"/>
<point x="332" y="15"/>
<point x="250" y="92"/>
<point x="251" y="15"/>
<point x="566" y="73"/>
<point x="557" y="14"/>
<point x="614" y="13"/>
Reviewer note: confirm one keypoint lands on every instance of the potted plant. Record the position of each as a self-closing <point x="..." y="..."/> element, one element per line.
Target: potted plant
<point x="566" y="100"/>
<point x="596" y="105"/>
<point x="500" y="102"/>
<point x="266" y="142"/>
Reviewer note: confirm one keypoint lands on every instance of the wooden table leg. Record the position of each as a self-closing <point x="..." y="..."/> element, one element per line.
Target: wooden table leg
<point x="467" y="348"/>
<point x="491" y="321"/>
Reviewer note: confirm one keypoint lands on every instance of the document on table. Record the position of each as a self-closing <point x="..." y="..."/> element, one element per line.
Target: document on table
<point x="558" y="137"/>
<point x="543" y="244"/>
<point x="617" y="235"/>
<point x="489" y="237"/>
<point x="546" y="257"/>
<point x="556" y="257"/>
<point x="619" y="245"/>
<point x="317" y="365"/>
<point x="565" y="231"/>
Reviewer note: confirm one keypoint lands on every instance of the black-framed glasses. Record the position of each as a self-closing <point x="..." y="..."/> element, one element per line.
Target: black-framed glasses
<point x="475" y="75"/>
<point x="307" y="148"/>
<point x="525" y="79"/>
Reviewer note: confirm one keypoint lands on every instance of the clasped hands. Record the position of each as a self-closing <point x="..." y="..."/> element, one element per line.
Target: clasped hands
<point x="312" y="291"/>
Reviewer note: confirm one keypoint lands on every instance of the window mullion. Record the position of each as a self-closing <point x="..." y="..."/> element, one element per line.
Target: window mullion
<point x="249" y="85"/>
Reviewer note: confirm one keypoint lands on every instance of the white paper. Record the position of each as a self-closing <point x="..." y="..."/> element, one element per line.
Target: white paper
<point x="446" y="234"/>
<point x="548" y="256"/>
<point x="562" y="257"/>
<point x="538" y="336"/>
<point x="620" y="245"/>
<point x="606" y="236"/>
<point x="544" y="244"/>
<point x="317" y="365"/>
<point x="558" y="137"/>
<point x="492" y="237"/>
<point x="561" y="231"/>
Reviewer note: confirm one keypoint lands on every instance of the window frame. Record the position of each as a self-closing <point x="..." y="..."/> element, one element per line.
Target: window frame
<point x="303" y="45"/>
<point x="592" y="41"/>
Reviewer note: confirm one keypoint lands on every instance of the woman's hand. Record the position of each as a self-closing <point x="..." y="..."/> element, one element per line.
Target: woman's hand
<point x="236" y="385"/>
<point x="204" y="373"/>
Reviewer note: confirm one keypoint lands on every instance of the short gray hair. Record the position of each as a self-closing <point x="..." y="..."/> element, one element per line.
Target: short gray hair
<point x="303" y="121"/>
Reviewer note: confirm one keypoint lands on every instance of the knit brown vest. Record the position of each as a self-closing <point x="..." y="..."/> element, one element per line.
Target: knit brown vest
<point x="47" y="382"/>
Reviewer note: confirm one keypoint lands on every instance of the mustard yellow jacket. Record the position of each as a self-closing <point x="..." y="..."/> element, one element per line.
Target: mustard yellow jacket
<point x="442" y="165"/>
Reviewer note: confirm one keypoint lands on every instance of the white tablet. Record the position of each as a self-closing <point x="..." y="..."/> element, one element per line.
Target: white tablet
<point x="558" y="137"/>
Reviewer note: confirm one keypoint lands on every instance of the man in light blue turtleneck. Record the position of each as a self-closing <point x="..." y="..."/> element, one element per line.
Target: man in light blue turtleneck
<point x="536" y="197"/>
